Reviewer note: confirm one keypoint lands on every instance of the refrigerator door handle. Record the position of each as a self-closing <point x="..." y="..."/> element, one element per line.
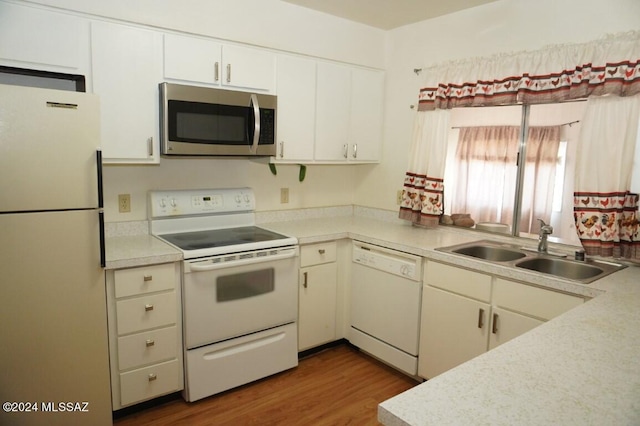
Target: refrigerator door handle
<point x="103" y="256"/>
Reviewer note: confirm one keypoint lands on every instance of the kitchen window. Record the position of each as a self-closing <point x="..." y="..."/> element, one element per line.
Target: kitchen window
<point x="482" y="174"/>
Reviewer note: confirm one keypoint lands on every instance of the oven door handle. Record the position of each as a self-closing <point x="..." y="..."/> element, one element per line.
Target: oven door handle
<point x="199" y="267"/>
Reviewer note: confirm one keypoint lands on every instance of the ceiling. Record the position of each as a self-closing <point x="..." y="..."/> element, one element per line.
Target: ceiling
<point x="388" y="14"/>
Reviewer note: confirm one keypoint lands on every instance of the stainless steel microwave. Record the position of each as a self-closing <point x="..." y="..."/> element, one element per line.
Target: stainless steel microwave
<point x="204" y="121"/>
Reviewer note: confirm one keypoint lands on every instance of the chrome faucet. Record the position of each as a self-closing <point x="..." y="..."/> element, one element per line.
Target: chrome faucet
<point x="545" y="231"/>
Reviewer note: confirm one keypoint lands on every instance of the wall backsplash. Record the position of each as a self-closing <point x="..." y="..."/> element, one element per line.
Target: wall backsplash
<point x="324" y="185"/>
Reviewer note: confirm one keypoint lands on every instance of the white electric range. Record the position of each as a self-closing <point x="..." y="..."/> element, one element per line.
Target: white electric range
<point x="239" y="287"/>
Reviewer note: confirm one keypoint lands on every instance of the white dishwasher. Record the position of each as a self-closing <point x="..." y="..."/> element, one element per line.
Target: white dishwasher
<point x="386" y="292"/>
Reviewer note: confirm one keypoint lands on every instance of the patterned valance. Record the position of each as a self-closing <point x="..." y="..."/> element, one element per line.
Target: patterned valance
<point x="610" y="66"/>
<point x="620" y="79"/>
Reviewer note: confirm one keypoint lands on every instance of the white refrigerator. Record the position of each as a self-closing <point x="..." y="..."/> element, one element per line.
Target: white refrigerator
<point x="54" y="357"/>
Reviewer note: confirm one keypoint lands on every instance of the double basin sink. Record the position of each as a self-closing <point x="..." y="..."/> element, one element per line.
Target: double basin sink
<point x="584" y="272"/>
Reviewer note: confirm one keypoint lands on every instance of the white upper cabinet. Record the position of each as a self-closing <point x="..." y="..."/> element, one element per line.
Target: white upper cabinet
<point x="365" y="129"/>
<point x="127" y="68"/>
<point x="333" y="97"/>
<point x="35" y="38"/>
<point x="349" y="114"/>
<point x="296" y="86"/>
<point x="201" y="60"/>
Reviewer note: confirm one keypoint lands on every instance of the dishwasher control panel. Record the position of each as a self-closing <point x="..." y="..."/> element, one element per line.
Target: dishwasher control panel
<point x="387" y="260"/>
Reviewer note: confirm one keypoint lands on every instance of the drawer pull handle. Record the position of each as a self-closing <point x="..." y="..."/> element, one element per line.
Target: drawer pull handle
<point x="494" y="328"/>
<point x="148" y="278"/>
<point x="480" y="318"/>
<point x="304" y="280"/>
<point x="152" y="377"/>
<point x="150" y="343"/>
<point x="148" y="307"/>
<point x="321" y="251"/>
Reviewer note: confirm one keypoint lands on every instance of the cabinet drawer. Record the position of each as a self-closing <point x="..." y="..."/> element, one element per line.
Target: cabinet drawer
<point x="149" y="382"/>
<point x="316" y="254"/>
<point x="458" y="280"/>
<point x="534" y="301"/>
<point x="146" y="312"/>
<point x="147" y="279"/>
<point x="147" y="347"/>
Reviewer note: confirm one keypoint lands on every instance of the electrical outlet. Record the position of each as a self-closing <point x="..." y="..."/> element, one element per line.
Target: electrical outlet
<point x="399" y="197"/>
<point x="284" y="195"/>
<point x="124" y="203"/>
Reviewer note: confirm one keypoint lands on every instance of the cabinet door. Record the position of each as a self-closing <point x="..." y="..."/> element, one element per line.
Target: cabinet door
<point x="248" y="68"/>
<point x="127" y="68"/>
<point x="40" y="37"/>
<point x="454" y="329"/>
<point x="366" y="116"/>
<point x="506" y="325"/>
<point x="296" y="87"/>
<point x="317" y="305"/>
<point x="333" y="97"/>
<point x="192" y="59"/>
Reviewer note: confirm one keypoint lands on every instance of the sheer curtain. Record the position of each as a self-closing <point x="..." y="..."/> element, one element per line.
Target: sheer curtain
<point x="486" y="174"/>
<point x="539" y="179"/>
<point x="605" y="210"/>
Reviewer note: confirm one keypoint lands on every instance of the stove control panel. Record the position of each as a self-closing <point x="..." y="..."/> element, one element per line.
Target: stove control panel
<point x="200" y="202"/>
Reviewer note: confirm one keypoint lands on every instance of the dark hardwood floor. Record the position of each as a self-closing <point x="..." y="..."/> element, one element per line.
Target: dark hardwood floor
<point x="338" y="386"/>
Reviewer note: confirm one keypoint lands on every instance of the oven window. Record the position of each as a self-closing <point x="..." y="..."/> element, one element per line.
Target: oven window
<point x="245" y="285"/>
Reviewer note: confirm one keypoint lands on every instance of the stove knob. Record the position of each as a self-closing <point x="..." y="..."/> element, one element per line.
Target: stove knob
<point x="246" y="198"/>
<point x="163" y="203"/>
<point x="173" y="202"/>
<point x="238" y="198"/>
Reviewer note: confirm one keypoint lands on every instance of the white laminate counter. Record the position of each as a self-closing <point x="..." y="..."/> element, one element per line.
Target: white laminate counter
<point x="580" y="368"/>
<point x="138" y="250"/>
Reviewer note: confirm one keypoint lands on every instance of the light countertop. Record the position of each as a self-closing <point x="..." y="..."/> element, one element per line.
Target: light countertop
<point x="580" y="368"/>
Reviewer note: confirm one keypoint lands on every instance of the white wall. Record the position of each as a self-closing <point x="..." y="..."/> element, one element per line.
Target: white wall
<point x="502" y="26"/>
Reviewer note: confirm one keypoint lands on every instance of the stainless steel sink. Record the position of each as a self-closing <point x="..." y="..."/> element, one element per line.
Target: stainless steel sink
<point x="573" y="270"/>
<point x="511" y="255"/>
<point x="489" y="252"/>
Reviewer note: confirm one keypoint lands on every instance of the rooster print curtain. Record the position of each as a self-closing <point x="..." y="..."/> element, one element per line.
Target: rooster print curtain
<point x="605" y="208"/>
<point x="607" y="224"/>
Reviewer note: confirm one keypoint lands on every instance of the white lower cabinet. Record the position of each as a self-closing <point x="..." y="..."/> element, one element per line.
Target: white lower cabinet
<point x="145" y="333"/>
<point x="317" y="295"/>
<point x="465" y="313"/>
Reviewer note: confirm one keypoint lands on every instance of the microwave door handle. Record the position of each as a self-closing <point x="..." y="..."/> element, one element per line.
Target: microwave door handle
<point x="256" y="129"/>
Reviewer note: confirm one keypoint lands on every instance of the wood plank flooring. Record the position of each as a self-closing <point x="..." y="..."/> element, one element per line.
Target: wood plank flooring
<point x="338" y="386"/>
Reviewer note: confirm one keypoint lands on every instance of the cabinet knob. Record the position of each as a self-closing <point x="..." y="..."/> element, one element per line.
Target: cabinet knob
<point x="148" y="278"/>
<point x="345" y="150"/>
<point x="228" y="73"/>
<point x="152" y="377"/>
<point x="304" y="280"/>
<point x="148" y="307"/>
<point x="480" y="318"/>
<point x="216" y="72"/>
<point x="281" y="149"/>
<point x="150" y="343"/>
<point x="355" y="150"/>
<point x="321" y="251"/>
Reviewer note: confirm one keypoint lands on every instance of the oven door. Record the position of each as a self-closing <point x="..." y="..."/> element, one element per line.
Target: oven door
<point x="233" y="295"/>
